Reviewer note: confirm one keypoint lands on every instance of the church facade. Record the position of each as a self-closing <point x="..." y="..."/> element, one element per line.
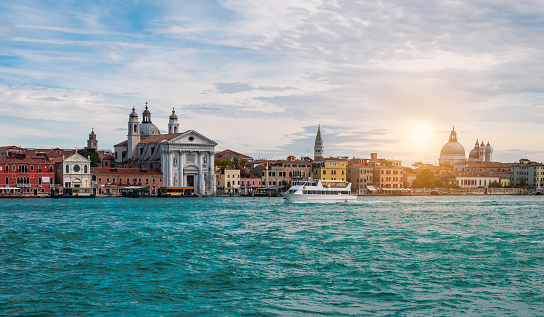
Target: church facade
<point x="186" y="159"/>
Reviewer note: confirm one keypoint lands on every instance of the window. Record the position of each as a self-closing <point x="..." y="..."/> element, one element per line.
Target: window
<point x="100" y="179"/>
<point x="32" y="167"/>
<point x="39" y="168"/>
<point x="7" y="181"/>
<point x="85" y="169"/>
<point x="67" y="169"/>
<point x="107" y="180"/>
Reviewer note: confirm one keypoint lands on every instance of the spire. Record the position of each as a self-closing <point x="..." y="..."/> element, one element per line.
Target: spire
<point x="319" y="149"/>
<point x="453" y="135"/>
<point x="318" y="136"/>
<point x="146" y="115"/>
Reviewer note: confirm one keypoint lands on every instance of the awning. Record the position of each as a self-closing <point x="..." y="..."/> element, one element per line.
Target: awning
<point x="371" y="188"/>
<point x="274" y="188"/>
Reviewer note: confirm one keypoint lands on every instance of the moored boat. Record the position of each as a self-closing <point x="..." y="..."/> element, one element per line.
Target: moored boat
<point x="314" y="191"/>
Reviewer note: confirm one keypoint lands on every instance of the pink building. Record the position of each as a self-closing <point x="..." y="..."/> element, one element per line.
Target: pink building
<point x="249" y="184"/>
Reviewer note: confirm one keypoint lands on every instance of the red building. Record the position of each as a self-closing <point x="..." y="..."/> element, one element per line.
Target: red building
<point x="110" y="181"/>
<point x="26" y="175"/>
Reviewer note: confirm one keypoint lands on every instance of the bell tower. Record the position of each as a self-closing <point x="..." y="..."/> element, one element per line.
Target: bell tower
<point x="92" y="143"/>
<point x="173" y="124"/>
<point x="318" y="147"/>
<point x="133" y="136"/>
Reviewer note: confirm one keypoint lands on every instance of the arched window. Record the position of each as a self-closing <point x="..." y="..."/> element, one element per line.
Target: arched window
<point x="67" y="169"/>
<point x="7" y="181"/>
<point x="39" y="168"/>
<point x="7" y="168"/>
<point x="85" y="169"/>
<point x="94" y="178"/>
<point x="39" y="181"/>
<point x="50" y="168"/>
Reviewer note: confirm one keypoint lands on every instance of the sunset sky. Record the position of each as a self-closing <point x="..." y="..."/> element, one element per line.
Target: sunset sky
<point x="390" y="77"/>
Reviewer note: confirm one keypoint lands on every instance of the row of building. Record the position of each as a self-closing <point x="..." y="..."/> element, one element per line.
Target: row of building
<point x="185" y="162"/>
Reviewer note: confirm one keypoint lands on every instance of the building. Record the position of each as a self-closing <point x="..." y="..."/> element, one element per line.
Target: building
<point x="185" y="159"/>
<point x="228" y="181"/>
<point x="319" y="148"/>
<point x="475" y="179"/>
<point x="25" y="175"/>
<point x="249" y="184"/>
<point x="452" y="152"/>
<point x="73" y="174"/>
<point x="529" y="173"/>
<point x="481" y="153"/>
<point x="360" y="176"/>
<point x="92" y="143"/>
<point x="389" y="177"/>
<point x="330" y="169"/>
<point x="229" y="155"/>
<point x="110" y="181"/>
<point x="284" y="172"/>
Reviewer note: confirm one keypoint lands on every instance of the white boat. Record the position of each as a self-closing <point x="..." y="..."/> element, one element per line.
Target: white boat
<point x="313" y="191"/>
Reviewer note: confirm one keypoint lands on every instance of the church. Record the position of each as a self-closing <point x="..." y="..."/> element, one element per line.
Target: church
<point x="453" y="152"/>
<point x="186" y="159"/>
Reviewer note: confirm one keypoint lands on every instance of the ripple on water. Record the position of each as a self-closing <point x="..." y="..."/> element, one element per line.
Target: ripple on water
<point x="258" y="256"/>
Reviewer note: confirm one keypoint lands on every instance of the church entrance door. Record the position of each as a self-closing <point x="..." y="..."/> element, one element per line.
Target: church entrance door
<point x="190" y="181"/>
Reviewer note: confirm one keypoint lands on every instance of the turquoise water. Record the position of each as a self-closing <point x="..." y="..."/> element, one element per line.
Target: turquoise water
<point x="471" y="255"/>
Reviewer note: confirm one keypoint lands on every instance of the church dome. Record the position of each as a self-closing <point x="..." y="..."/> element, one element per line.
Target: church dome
<point x="148" y="129"/>
<point x="452" y="148"/>
<point x="474" y="154"/>
<point x="452" y="152"/>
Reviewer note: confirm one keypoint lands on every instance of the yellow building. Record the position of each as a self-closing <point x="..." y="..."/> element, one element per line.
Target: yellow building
<point x="228" y="181"/>
<point x="330" y="169"/>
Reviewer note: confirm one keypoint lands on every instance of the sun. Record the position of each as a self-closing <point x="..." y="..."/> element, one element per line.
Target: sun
<point x="422" y="133"/>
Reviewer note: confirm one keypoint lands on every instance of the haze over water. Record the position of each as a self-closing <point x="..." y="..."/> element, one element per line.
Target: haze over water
<point x="476" y="255"/>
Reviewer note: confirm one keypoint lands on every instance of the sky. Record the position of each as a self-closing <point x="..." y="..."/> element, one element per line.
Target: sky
<point x="391" y="77"/>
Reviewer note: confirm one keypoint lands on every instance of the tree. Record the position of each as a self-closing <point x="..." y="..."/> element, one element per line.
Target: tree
<point x="92" y="154"/>
<point x="522" y="184"/>
<point x="425" y="179"/>
<point x="495" y="185"/>
<point x="236" y="162"/>
<point x="417" y="164"/>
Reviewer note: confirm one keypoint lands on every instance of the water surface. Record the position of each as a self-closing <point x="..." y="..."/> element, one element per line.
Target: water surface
<point x="448" y="255"/>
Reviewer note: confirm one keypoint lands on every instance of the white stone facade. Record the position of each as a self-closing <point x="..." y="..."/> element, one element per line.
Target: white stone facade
<point x="76" y="171"/>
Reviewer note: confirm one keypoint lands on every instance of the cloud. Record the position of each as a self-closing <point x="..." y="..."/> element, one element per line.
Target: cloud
<point x="258" y="74"/>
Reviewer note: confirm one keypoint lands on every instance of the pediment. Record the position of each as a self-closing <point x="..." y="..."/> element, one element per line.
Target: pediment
<point x="190" y="167"/>
<point x="76" y="157"/>
<point x="192" y="137"/>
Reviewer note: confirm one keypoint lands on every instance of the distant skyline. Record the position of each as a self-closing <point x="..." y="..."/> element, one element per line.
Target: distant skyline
<point x="258" y="77"/>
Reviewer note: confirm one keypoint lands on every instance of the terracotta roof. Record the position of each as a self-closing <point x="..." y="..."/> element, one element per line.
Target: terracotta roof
<point x="358" y="165"/>
<point x="124" y="143"/>
<point x="231" y="154"/>
<point x="159" y="138"/>
<point x="105" y="156"/>
<point x="474" y="164"/>
<point x="251" y="175"/>
<point x="20" y="159"/>
<point x="124" y="171"/>
<point x="8" y="147"/>
<point x="474" y="174"/>
<point x="432" y="167"/>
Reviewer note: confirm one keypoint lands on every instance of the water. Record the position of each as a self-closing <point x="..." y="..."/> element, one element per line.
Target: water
<point x="413" y="256"/>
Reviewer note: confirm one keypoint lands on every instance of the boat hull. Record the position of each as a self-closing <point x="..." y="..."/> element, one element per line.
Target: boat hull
<point x="298" y="198"/>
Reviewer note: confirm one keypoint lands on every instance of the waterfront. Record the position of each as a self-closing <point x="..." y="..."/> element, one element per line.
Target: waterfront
<point x="426" y="255"/>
